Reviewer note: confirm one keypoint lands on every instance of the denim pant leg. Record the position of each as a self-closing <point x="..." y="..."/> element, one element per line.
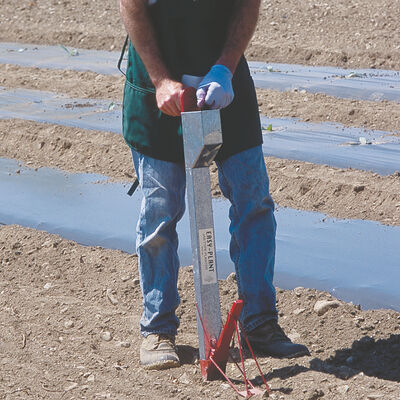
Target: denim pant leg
<point x="163" y="186"/>
<point x="244" y="181"/>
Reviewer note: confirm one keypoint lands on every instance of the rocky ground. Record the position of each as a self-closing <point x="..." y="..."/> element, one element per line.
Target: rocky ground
<point x="69" y="314"/>
<point x="68" y="330"/>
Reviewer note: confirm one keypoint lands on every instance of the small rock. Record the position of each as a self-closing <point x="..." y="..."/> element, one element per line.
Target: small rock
<point x="374" y="396"/>
<point x="298" y="311"/>
<point x="225" y="385"/>
<point x="90" y="378"/>
<point x="298" y="290"/>
<point x="359" y="188"/>
<point x="103" y="395"/>
<point x="136" y="282"/>
<point x="106" y="336"/>
<point x="322" y="306"/>
<point x="113" y="300"/>
<point x="231" y="277"/>
<point x="293" y="336"/>
<point x="263" y="395"/>
<point x="343" y="389"/>
<point x="123" y="344"/>
<point x="69" y="324"/>
<point x="125" y="278"/>
<point x="184" y="379"/>
<point x="345" y="372"/>
<point x="47" y="286"/>
<point x="315" y="394"/>
<point x="72" y="386"/>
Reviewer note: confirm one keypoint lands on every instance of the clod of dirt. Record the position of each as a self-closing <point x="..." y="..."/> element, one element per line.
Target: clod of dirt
<point x="184" y="379"/>
<point x="322" y="306"/>
<point x="69" y="324"/>
<point x="123" y="344"/>
<point x="315" y="394"/>
<point x="231" y="277"/>
<point x="113" y="300"/>
<point x="343" y="389"/>
<point x="106" y="336"/>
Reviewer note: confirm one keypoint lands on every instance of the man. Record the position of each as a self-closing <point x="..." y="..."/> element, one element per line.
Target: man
<point x="199" y="43"/>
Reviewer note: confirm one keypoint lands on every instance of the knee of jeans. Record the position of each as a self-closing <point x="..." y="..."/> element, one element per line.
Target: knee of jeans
<point x="166" y="205"/>
<point x="159" y="214"/>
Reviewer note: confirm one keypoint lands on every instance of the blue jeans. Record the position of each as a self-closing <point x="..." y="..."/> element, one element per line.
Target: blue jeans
<point x="244" y="181"/>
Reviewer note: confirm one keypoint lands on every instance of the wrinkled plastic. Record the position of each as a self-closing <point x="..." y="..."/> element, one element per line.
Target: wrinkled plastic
<point x="332" y="144"/>
<point x="362" y="84"/>
<point x="321" y="143"/>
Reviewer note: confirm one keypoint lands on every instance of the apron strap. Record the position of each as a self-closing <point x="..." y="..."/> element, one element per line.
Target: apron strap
<point x="133" y="187"/>
<point x="121" y="57"/>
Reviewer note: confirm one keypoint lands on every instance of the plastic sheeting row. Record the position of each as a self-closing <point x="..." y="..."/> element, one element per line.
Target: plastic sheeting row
<point x="363" y="84"/>
<point x="322" y="143"/>
<point x="356" y="260"/>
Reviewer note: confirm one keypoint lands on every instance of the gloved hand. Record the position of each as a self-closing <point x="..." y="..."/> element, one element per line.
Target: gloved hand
<point x="215" y="90"/>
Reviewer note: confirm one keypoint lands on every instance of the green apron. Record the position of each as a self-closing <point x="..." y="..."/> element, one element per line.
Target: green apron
<point x="190" y="35"/>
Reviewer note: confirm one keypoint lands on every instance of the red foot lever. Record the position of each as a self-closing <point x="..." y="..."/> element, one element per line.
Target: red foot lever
<point x="215" y="365"/>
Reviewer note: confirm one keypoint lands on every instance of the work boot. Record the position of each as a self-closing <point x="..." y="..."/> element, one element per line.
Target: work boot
<point x="270" y="340"/>
<point x="158" y="352"/>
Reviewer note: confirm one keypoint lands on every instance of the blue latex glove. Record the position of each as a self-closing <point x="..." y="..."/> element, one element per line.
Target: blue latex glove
<point x="215" y="90"/>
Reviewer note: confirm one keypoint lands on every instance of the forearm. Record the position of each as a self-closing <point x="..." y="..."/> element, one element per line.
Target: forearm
<point x="137" y="22"/>
<point x="141" y="31"/>
<point x="241" y="28"/>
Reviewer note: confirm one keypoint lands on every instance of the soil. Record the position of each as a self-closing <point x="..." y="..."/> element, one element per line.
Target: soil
<point x="69" y="330"/>
<point x="346" y="33"/>
<point x="60" y="302"/>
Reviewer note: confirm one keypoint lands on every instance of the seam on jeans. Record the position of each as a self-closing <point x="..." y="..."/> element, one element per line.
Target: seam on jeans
<point x="233" y="236"/>
<point x="162" y="332"/>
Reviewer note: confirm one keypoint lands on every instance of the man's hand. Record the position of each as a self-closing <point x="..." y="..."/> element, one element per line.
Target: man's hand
<point x="168" y="97"/>
<point x="215" y="90"/>
<point x="138" y="23"/>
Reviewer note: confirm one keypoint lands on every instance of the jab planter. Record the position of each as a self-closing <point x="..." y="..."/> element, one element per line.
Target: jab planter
<point x="202" y="138"/>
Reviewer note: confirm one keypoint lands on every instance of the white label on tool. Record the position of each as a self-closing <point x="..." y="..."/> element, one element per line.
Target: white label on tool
<point x="207" y="257"/>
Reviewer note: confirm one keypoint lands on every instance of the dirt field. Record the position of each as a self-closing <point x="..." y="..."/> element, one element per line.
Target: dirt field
<point x="62" y="338"/>
<point x="348" y="33"/>
<point x="60" y="335"/>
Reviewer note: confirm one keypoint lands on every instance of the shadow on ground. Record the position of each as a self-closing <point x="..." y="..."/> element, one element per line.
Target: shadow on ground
<point x="379" y="358"/>
<point x="188" y="354"/>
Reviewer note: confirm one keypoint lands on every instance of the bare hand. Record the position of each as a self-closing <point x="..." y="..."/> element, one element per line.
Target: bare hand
<point x="168" y="97"/>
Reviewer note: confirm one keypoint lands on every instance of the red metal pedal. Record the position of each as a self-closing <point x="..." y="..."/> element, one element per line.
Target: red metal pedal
<point x="220" y="351"/>
<point x="214" y="367"/>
